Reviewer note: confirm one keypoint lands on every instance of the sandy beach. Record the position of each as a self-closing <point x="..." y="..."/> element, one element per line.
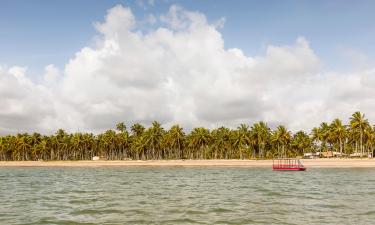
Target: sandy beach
<point x="309" y="163"/>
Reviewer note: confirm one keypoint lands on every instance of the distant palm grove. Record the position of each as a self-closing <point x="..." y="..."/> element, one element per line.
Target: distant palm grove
<point x="245" y="142"/>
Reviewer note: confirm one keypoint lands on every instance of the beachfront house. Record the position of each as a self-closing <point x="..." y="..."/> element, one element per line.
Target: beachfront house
<point x="97" y="158"/>
<point x="330" y="154"/>
<point x="326" y="154"/>
<point x="358" y="154"/>
<point x="311" y="155"/>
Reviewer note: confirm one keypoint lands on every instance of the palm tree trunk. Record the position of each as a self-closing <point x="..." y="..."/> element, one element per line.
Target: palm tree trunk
<point x="361" y="142"/>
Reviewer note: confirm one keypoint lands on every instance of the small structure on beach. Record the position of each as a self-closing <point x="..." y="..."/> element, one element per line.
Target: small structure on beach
<point x="97" y="158"/>
<point x="326" y="154"/>
<point x="358" y="154"/>
<point x="311" y="155"/>
<point x="330" y="154"/>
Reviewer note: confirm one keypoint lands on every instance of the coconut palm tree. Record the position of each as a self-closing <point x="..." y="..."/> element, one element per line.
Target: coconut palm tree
<point x="325" y="135"/>
<point x="137" y="129"/>
<point x="369" y="138"/>
<point x="109" y="144"/>
<point x="156" y="143"/>
<point x="121" y="127"/>
<point x="221" y="142"/>
<point x="338" y="133"/>
<point x="153" y="139"/>
<point x="241" y="139"/>
<point x="199" y="139"/>
<point x="358" y="123"/>
<point x="136" y="139"/>
<point x="301" y="142"/>
<point x="175" y="139"/>
<point x="282" y="137"/>
<point x="260" y="134"/>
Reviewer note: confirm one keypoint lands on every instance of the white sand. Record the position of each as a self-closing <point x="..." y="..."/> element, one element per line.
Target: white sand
<point x="309" y="163"/>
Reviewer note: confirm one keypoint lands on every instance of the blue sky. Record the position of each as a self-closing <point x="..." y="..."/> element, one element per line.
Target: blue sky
<point x="40" y="32"/>
<point x="291" y="62"/>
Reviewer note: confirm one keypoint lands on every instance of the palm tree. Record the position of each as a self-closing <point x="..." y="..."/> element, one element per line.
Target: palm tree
<point x="155" y="143"/>
<point x="153" y="139"/>
<point x="282" y="137"/>
<point x="369" y="138"/>
<point x="199" y="138"/>
<point x="338" y="133"/>
<point x="109" y="144"/>
<point x="121" y="127"/>
<point x="241" y="138"/>
<point x="221" y="142"/>
<point x="21" y="147"/>
<point x="316" y="137"/>
<point x="3" y="149"/>
<point x="175" y="139"/>
<point x="123" y="143"/>
<point x="260" y="134"/>
<point x="300" y="142"/>
<point x="325" y="135"/>
<point x="358" y="124"/>
<point x="137" y="145"/>
<point x="137" y="129"/>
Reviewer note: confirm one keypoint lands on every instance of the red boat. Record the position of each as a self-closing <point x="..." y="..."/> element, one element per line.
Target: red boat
<point x="288" y="164"/>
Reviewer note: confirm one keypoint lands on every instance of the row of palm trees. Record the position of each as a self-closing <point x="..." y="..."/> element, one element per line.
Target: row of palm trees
<point x="244" y="142"/>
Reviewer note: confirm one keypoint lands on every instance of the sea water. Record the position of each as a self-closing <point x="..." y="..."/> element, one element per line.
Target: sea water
<point x="176" y="195"/>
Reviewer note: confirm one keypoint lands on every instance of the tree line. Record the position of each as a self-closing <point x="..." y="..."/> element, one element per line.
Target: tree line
<point x="155" y="142"/>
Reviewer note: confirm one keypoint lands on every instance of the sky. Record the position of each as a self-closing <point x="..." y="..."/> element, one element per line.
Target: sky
<point x="86" y="65"/>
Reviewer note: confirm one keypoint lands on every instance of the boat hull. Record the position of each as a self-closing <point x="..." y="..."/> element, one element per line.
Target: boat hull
<point x="289" y="169"/>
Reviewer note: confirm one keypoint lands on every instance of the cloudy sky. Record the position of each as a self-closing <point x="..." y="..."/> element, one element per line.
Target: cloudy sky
<point x="84" y="66"/>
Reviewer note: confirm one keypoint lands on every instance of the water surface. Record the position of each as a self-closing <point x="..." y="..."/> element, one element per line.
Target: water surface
<point x="186" y="196"/>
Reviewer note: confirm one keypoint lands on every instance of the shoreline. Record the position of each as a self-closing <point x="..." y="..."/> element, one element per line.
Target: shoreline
<point x="308" y="163"/>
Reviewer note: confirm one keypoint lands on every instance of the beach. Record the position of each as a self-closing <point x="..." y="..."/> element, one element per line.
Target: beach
<point x="309" y="163"/>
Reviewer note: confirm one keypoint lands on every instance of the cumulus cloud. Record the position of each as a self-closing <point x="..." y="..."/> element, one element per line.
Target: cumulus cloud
<point x="145" y="3"/>
<point x="25" y="106"/>
<point x="180" y="73"/>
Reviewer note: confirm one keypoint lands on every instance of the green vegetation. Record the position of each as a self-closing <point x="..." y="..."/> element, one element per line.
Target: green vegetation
<point x="257" y="141"/>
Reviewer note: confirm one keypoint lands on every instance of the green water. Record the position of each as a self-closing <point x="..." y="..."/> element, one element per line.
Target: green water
<point x="186" y="196"/>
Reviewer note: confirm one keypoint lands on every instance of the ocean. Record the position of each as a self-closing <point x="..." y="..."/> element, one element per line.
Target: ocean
<point x="178" y="195"/>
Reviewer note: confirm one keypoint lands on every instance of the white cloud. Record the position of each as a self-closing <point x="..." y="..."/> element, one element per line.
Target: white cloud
<point x="355" y="58"/>
<point x="25" y="106"/>
<point x="118" y="20"/>
<point x="51" y="75"/>
<point x="144" y="4"/>
<point x="151" y="19"/>
<point x="179" y="73"/>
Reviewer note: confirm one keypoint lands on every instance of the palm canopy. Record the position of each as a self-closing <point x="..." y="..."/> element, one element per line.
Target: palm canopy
<point x="260" y="134"/>
<point x="281" y="137"/>
<point x="338" y="133"/>
<point x="154" y="142"/>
